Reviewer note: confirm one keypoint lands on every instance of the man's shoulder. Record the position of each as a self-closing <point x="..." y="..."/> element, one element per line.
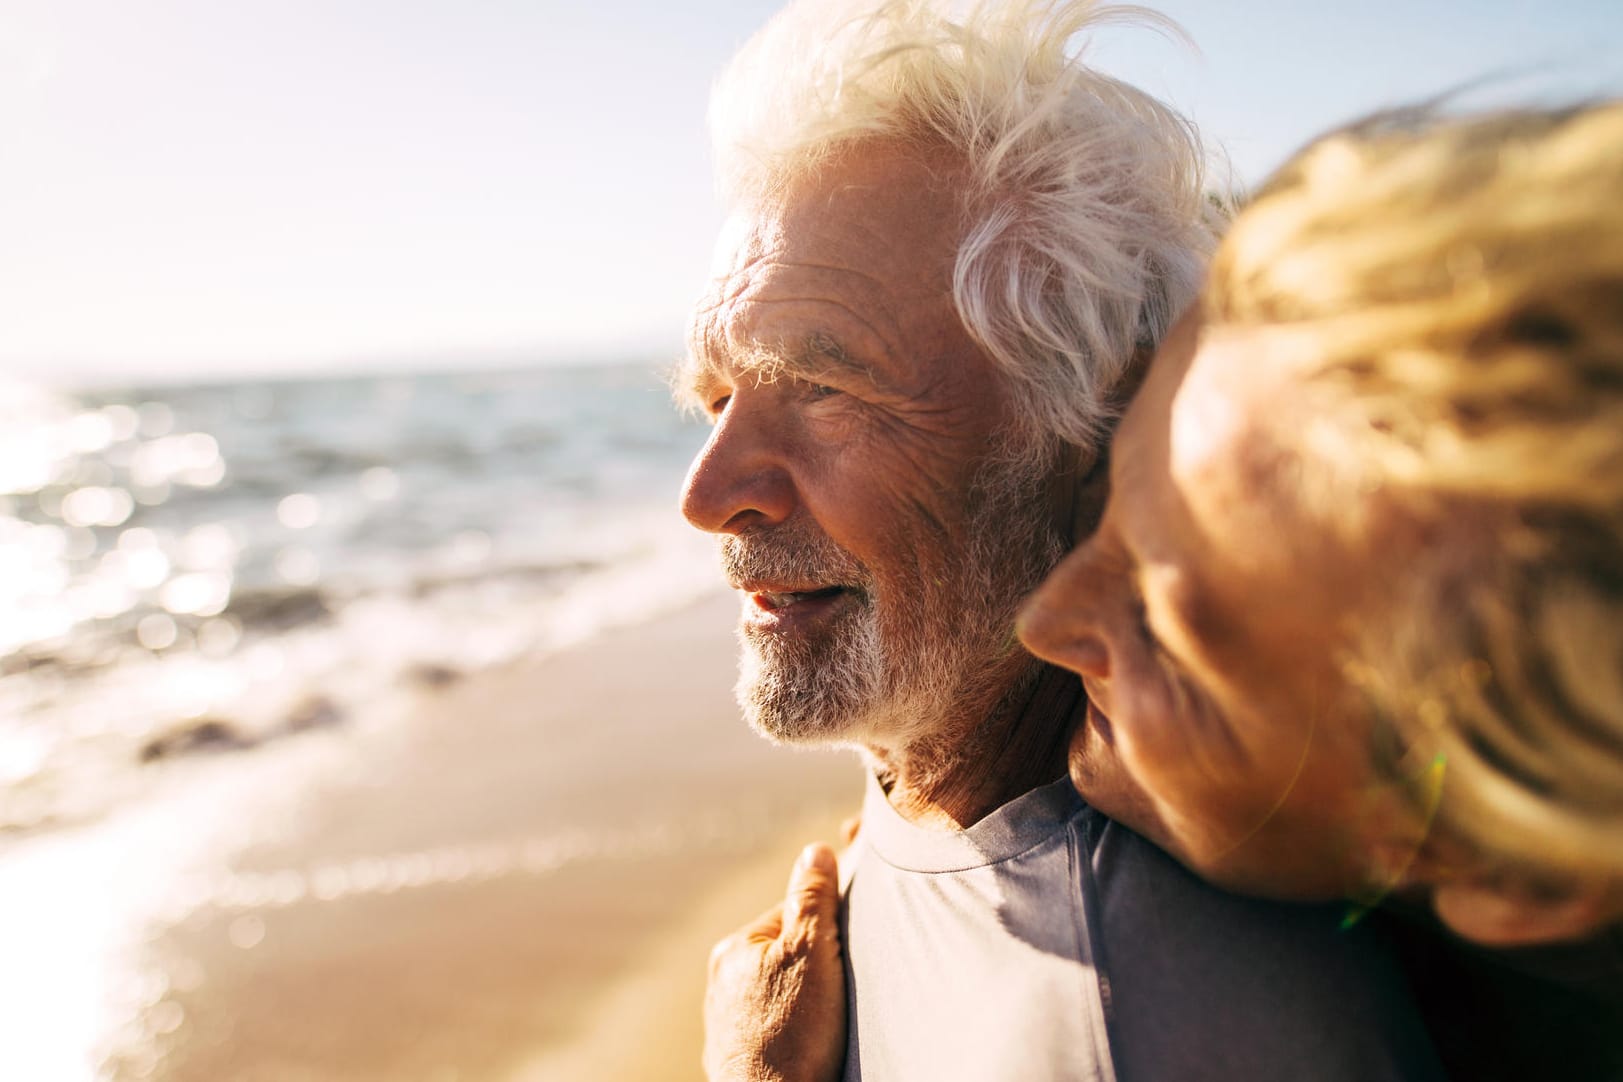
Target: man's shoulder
<point x="968" y="955"/>
<point x="1209" y="984"/>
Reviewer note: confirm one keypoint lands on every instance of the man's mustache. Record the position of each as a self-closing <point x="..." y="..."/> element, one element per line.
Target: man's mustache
<point x="795" y="556"/>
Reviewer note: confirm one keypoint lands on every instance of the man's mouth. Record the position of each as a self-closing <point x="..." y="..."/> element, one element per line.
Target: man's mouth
<point x="786" y="608"/>
<point x="777" y="600"/>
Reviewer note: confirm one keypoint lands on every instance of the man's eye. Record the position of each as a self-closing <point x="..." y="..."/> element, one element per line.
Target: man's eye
<point x="718" y="405"/>
<point x="820" y="390"/>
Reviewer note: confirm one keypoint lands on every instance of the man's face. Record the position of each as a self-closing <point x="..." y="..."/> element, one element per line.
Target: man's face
<point x="1208" y="616"/>
<point x="880" y="555"/>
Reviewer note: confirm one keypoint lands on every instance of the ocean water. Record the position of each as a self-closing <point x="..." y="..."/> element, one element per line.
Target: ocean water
<point x="190" y="570"/>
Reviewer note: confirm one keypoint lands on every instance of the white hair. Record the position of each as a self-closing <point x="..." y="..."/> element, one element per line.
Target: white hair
<point x="1087" y="223"/>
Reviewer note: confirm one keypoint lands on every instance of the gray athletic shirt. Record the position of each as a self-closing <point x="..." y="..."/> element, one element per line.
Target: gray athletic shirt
<point x="1048" y="942"/>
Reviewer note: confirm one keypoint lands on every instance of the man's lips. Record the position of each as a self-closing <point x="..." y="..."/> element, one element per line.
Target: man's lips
<point x="776" y="598"/>
<point x="783" y="608"/>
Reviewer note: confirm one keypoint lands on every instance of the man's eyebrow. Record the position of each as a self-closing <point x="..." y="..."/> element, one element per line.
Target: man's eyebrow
<point x="822" y="355"/>
<point x="816" y="357"/>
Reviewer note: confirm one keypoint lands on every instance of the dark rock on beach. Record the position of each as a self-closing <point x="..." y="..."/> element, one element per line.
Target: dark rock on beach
<point x="431" y="675"/>
<point x="280" y="610"/>
<point x="315" y="712"/>
<point x="203" y="735"/>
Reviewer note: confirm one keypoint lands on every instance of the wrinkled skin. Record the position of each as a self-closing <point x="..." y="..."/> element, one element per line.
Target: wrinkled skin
<point x="853" y="417"/>
<point x="774" y="1007"/>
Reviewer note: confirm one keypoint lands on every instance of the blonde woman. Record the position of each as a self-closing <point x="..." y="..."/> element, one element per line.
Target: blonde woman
<point x="1353" y="619"/>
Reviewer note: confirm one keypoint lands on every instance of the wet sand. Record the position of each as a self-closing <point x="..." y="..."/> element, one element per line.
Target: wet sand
<point x="521" y="882"/>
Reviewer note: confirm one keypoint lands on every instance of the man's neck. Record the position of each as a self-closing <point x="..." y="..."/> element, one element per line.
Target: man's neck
<point x="954" y="781"/>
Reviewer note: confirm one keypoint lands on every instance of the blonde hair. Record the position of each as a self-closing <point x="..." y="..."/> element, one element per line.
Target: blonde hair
<point x="1458" y="288"/>
<point x="1088" y="223"/>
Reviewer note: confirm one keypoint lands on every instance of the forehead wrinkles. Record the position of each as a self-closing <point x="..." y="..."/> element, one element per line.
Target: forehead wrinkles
<point x="772" y="314"/>
<point x="860" y="253"/>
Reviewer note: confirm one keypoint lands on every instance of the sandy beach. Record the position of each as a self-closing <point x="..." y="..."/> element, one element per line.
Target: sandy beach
<point x="519" y="882"/>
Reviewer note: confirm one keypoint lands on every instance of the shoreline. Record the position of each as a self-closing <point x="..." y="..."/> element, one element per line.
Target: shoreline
<point x="521" y="880"/>
<point x="649" y="1023"/>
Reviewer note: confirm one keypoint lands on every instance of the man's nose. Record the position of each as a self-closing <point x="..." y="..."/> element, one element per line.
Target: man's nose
<point x="740" y="477"/>
<point x="1060" y="622"/>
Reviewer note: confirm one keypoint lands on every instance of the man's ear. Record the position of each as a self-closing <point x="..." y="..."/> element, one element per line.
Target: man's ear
<point x="1505" y="915"/>
<point x="1092" y="490"/>
<point x="1137" y="369"/>
<point x="1094" y="487"/>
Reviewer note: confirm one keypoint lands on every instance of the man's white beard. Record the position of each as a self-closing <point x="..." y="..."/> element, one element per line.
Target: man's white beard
<point x="889" y="670"/>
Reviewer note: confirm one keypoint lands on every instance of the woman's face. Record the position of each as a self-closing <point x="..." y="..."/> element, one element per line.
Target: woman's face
<point x="1205" y="616"/>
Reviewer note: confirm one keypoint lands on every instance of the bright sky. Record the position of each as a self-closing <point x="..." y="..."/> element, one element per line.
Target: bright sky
<point x="197" y="186"/>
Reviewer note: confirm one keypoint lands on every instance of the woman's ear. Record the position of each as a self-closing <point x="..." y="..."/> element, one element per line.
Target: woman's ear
<point x="1501" y="914"/>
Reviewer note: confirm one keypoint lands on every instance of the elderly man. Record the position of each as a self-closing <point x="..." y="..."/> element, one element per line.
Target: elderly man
<point x="950" y="246"/>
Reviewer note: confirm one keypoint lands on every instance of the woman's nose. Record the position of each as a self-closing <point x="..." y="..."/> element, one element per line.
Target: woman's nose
<point x="1060" y="620"/>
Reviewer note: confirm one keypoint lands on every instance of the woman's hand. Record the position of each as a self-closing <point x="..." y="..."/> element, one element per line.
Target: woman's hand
<point x="774" y="1007"/>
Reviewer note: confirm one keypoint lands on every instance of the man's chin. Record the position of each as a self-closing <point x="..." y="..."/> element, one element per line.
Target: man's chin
<point x="801" y="719"/>
<point x="811" y="689"/>
<point x="797" y="732"/>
